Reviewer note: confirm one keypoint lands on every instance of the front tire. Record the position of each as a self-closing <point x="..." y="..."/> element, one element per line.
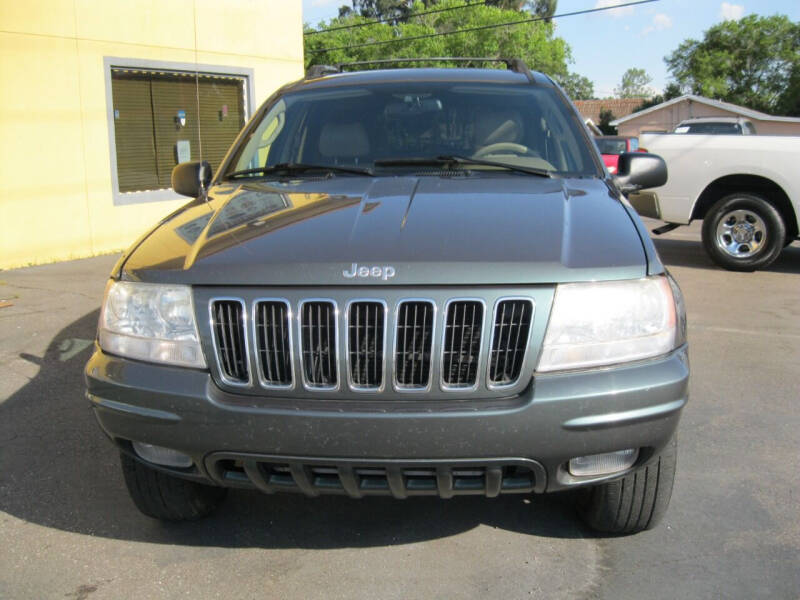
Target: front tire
<point x="168" y="498"/>
<point x="743" y="232"/>
<point x="635" y="502"/>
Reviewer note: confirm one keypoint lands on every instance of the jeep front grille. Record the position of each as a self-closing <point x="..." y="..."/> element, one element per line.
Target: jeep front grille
<point x="512" y="324"/>
<point x="365" y="344"/>
<point x="273" y="342"/>
<point x="412" y="355"/>
<point x="388" y="346"/>
<point x="318" y="344"/>
<point x="462" y="343"/>
<point x="228" y="326"/>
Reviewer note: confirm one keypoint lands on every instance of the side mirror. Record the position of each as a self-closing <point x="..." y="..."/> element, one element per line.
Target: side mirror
<point x="191" y="178"/>
<point x="640" y="170"/>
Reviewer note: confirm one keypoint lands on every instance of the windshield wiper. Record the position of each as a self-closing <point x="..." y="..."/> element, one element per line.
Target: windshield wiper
<point x="296" y="168"/>
<point x="449" y="160"/>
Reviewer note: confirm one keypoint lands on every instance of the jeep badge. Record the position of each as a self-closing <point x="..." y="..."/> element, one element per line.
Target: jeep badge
<point x="385" y="272"/>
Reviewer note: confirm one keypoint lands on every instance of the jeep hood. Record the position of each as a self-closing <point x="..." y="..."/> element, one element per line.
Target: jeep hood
<point x="490" y="229"/>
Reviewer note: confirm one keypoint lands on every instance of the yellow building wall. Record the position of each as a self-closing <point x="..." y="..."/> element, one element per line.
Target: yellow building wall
<point x="57" y="201"/>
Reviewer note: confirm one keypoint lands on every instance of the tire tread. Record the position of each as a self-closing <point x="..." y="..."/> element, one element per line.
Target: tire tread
<point x="165" y="497"/>
<point x="635" y="502"/>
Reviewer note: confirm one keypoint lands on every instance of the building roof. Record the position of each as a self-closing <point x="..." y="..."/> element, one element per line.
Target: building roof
<point x="619" y="107"/>
<point x="734" y="108"/>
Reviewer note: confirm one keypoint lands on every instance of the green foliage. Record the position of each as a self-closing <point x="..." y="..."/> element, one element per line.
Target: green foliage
<point x="538" y="8"/>
<point x="789" y="101"/>
<point x="577" y="86"/>
<point x="507" y="4"/>
<point x="753" y="62"/>
<point x="635" y="84"/>
<point x="379" y="9"/>
<point x="606" y="116"/>
<point x="544" y="8"/>
<point x="400" y="9"/>
<point x="534" y="43"/>
<point x="673" y="90"/>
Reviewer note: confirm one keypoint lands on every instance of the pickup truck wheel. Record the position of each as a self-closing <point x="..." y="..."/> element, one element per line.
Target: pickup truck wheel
<point x="743" y="232"/>
<point x="635" y="502"/>
<point x="168" y="498"/>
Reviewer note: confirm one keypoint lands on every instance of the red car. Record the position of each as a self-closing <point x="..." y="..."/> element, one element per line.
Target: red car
<point x="611" y="146"/>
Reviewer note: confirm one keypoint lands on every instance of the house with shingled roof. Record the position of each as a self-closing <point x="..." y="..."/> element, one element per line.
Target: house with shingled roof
<point x="619" y="107"/>
<point x="666" y="116"/>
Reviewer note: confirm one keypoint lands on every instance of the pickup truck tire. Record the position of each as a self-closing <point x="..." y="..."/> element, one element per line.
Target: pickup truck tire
<point x="635" y="502"/>
<point x="743" y="232"/>
<point x="168" y="498"/>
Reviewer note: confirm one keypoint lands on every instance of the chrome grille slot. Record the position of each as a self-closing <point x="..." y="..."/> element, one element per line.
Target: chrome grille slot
<point x="273" y="343"/>
<point x="412" y="357"/>
<point x="391" y="346"/>
<point x="512" y="324"/>
<point x="462" y="343"/>
<point x="228" y="327"/>
<point x="318" y="344"/>
<point x="366" y="332"/>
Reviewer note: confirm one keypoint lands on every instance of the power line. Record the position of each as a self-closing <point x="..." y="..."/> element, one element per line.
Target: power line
<point x="401" y="18"/>
<point x="479" y="28"/>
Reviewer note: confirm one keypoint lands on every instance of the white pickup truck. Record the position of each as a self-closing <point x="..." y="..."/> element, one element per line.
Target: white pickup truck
<point x="745" y="188"/>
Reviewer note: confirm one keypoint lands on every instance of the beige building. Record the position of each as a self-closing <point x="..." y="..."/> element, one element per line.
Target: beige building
<point x="665" y="116"/>
<point x="101" y="98"/>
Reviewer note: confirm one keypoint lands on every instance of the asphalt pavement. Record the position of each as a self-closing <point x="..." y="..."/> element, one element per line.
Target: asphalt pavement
<point x="69" y="530"/>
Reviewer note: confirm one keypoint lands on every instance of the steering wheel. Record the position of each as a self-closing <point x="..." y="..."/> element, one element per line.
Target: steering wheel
<point x="518" y="149"/>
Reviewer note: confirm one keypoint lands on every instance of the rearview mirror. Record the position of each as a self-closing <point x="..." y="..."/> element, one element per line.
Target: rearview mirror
<point x="412" y="106"/>
<point x="191" y="178"/>
<point x="639" y="170"/>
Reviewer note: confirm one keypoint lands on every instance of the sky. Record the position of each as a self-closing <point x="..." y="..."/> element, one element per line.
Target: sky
<point x="604" y="45"/>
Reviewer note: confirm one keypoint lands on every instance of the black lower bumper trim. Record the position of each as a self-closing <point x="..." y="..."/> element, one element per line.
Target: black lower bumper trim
<point x="357" y="478"/>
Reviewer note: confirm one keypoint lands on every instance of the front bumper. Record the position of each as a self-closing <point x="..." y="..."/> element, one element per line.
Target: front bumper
<point x="556" y="418"/>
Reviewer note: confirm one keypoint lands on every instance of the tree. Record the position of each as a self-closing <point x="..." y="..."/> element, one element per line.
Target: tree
<point x="753" y="62"/>
<point x="673" y="90"/>
<point x="606" y="116"/>
<point x="382" y="9"/>
<point x="394" y="10"/>
<point x="789" y="102"/>
<point x="538" y="8"/>
<point x="507" y="4"/>
<point x="635" y="84"/>
<point x="577" y="86"/>
<point x="544" y="8"/>
<point x="535" y="43"/>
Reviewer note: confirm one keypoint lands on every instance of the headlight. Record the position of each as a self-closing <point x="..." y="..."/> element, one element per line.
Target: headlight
<point x="150" y="322"/>
<point x="610" y="322"/>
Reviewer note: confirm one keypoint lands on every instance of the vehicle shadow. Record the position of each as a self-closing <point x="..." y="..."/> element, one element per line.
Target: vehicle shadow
<point x="690" y="253"/>
<point x="58" y="470"/>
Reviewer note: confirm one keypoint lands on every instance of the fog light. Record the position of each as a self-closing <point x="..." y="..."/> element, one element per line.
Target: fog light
<point x="603" y="464"/>
<point x="162" y="456"/>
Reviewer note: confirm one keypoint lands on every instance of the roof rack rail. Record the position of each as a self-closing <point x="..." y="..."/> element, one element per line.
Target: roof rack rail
<point x="512" y="64"/>
<point x="315" y="71"/>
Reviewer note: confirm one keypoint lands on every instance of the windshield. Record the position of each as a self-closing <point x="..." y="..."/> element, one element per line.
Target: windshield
<point x="356" y="126"/>
<point x="611" y="146"/>
<point x="711" y="128"/>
